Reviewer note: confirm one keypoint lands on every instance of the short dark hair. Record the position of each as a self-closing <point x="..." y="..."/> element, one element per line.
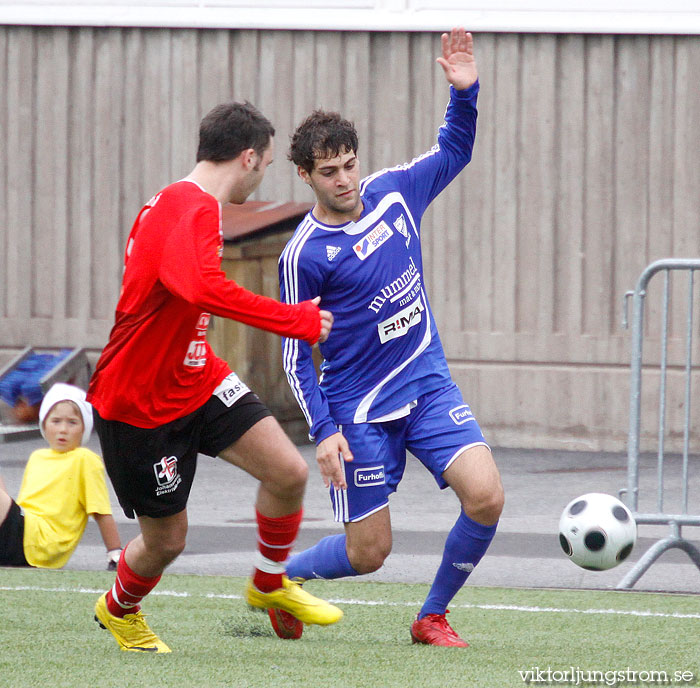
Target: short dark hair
<point x="321" y="135"/>
<point x="229" y="129"/>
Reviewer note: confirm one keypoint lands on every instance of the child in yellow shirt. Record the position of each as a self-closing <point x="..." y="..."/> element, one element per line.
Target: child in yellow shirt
<point x="62" y="485"/>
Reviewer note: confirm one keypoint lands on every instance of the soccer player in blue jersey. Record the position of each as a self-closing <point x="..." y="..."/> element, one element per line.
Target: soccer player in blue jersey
<point x="385" y="387"/>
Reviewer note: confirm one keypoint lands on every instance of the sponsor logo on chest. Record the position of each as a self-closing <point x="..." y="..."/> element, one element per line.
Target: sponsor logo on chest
<point x="371" y="242"/>
<point x="400" y="323"/>
<point x="404" y="288"/>
<point x="196" y="356"/>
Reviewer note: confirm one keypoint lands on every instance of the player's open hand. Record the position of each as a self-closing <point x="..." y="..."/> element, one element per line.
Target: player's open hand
<point x="326" y="321"/>
<point x="329" y="452"/>
<point x="457" y="59"/>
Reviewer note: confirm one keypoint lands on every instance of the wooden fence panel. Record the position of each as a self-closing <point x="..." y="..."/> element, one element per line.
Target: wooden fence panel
<point x="584" y="171"/>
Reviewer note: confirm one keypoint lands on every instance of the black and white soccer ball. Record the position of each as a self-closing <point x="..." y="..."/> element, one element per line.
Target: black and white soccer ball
<point x="597" y="531"/>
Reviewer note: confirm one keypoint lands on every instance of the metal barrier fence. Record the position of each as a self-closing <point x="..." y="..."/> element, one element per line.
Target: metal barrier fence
<point x="661" y="515"/>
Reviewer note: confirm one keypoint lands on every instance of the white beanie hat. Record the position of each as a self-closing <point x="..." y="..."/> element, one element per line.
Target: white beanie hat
<point x="63" y="392"/>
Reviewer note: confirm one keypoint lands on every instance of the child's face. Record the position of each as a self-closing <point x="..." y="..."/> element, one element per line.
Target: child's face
<point x="63" y="427"/>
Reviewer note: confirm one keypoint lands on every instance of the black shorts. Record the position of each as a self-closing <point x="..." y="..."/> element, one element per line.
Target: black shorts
<point x="152" y="469"/>
<point x="12" y="538"/>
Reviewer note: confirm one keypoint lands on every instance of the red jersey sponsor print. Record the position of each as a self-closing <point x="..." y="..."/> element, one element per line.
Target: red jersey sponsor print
<point x="157" y="365"/>
<point x="196" y="355"/>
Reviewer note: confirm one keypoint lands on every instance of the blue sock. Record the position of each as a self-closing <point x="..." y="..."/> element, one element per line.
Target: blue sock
<point x="465" y="545"/>
<point x="326" y="559"/>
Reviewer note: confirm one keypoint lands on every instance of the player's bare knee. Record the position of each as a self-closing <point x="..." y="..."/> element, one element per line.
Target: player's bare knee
<point x="494" y="505"/>
<point x="368" y="559"/>
<point x="297" y="476"/>
<point x="165" y="547"/>
<point x="289" y="481"/>
<point x="487" y="505"/>
<point x="171" y="549"/>
<point x="301" y="475"/>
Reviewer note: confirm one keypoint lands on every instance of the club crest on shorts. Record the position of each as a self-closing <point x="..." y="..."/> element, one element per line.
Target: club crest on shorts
<point x="167" y="476"/>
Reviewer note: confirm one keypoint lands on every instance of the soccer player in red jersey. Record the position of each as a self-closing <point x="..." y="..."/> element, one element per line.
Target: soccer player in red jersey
<point x="161" y="396"/>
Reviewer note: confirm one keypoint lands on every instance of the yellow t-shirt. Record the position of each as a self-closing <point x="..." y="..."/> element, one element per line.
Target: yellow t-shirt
<point x="58" y="492"/>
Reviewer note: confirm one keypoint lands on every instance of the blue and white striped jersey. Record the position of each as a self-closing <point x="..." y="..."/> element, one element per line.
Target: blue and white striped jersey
<point x="384" y="350"/>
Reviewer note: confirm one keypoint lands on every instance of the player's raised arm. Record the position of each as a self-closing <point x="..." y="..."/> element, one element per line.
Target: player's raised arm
<point x="457" y="58"/>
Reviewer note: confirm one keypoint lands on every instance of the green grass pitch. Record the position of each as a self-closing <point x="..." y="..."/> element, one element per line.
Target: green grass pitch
<point x="48" y="637"/>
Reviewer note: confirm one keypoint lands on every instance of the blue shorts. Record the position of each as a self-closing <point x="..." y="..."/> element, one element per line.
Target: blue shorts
<point x="436" y="431"/>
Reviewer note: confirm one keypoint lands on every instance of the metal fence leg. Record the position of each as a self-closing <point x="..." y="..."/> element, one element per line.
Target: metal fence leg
<point x="678" y="518"/>
<point x="673" y="541"/>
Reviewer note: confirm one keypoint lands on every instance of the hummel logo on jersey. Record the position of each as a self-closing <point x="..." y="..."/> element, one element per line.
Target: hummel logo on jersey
<point x="332" y="252"/>
<point x="401" y="322"/>
<point x="468" y="567"/>
<point x="153" y="200"/>
<point x="372" y="241"/>
<point x="400" y="224"/>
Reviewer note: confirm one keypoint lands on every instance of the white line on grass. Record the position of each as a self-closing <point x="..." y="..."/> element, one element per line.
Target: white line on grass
<point x="383" y="603"/>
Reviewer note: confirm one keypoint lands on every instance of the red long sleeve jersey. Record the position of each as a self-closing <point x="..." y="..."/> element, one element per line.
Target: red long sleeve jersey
<point x="157" y="365"/>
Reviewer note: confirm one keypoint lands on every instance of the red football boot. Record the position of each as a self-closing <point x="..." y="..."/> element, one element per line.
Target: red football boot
<point x="285" y="625"/>
<point x="433" y="629"/>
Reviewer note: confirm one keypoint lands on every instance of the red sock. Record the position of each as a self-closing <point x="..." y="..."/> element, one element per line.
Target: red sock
<point x="275" y="539"/>
<point x="128" y="590"/>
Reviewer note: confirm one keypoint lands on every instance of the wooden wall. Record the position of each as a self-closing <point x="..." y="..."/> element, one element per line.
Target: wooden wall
<point x="585" y="170"/>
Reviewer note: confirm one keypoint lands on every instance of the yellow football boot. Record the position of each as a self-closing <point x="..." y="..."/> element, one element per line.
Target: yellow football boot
<point x="132" y="632"/>
<point x="292" y="598"/>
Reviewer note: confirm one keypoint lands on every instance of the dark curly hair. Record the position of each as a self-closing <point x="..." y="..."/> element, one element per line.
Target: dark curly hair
<point x="229" y="129"/>
<point x="321" y="135"/>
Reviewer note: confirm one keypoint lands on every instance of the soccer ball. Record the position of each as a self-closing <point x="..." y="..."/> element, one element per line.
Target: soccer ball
<point x="597" y="531"/>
